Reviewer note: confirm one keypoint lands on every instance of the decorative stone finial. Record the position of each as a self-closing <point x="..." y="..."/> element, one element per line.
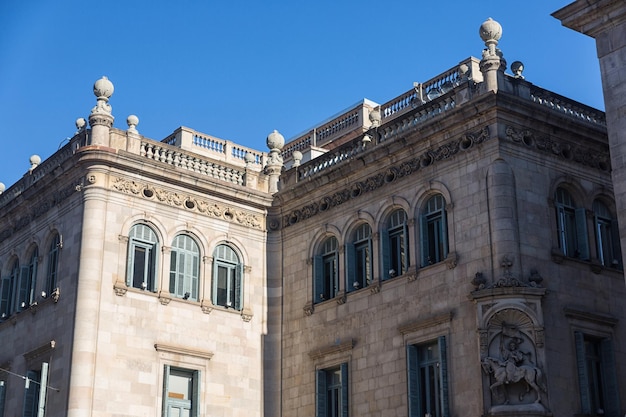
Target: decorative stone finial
<point x="375" y="117"/>
<point x="490" y="32"/>
<point x="2" y="187"/>
<point x="517" y="68"/>
<point x="34" y="160"/>
<point x="297" y="158"/>
<point x="132" y="121"/>
<point x="81" y="123"/>
<point x="248" y="158"/>
<point x="103" y="90"/>
<point x="275" y="141"/>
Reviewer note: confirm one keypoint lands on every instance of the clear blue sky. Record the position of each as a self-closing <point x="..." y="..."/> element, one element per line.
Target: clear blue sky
<point x="240" y="69"/>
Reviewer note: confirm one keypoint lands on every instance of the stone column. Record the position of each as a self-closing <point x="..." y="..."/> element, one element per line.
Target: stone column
<point x="493" y="63"/>
<point x="503" y="221"/>
<point x="100" y="118"/>
<point x="84" y="349"/>
<point x="605" y="21"/>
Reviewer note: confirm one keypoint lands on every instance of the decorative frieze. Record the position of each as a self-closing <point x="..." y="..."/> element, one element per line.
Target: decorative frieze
<point x="393" y="173"/>
<point x="564" y="150"/>
<point x="188" y="202"/>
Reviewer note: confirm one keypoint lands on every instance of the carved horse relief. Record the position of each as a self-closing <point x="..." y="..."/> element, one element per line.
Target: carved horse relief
<point x="511" y="359"/>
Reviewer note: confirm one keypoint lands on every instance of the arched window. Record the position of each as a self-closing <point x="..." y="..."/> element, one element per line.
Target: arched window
<point x="7" y="292"/>
<point x="326" y="271"/>
<point x="434" y="231"/>
<point x="185" y="268"/>
<point x="53" y="264"/>
<point x="395" y="245"/>
<point x="227" y="278"/>
<point x="607" y="236"/>
<point x="359" y="258"/>
<point x="571" y="226"/>
<point x="142" y="258"/>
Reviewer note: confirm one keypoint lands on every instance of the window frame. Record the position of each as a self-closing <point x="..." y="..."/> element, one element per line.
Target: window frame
<point x="322" y="389"/>
<point x="193" y="404"/>
<point x="150" y="244"/>
<point x="53" y="264"/>
<point x="571" y="222"/>
<point x="416" y="388"/>
<point x="359" y="271"/>
<point x="8" y="290"/>
<point x="603" y="385"/>
<point x="434" y="230"/>
<point x="230" y="262"/>
<point x="607" y="236"/>
<point x="326" y="270"/>
<point x="185" y="268"/>
<point x="30" y="405"/>
<point x="395" y="245"/>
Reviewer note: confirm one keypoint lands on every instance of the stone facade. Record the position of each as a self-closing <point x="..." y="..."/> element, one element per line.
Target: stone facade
<point x="446" y="253"/>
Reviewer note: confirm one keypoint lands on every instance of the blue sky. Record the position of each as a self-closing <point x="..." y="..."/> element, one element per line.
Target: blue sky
<point x="240" y="69"/>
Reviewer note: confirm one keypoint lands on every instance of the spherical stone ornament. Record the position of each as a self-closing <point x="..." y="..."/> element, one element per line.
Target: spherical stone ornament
<point x="2" y="187"/>
<point x="81" y="123"/>
<point x="35" y="160"/>
<point x="297" y="155"/>
<point x="275" y="140"/>
<point x="375" y="117"/>
<point x="490" y="30"/>
<point x="132" y="120"/>
<point x="103" y="88"/>
<point x="248" y="158"/>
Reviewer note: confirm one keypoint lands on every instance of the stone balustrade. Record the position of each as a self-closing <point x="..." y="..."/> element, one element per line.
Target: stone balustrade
<point x="215" y="148"/>
<point x="172" y="155"/>
<point x="567" y="106"/>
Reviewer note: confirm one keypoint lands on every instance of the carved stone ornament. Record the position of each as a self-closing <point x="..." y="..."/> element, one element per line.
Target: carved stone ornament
<point x="246" y="314"/>
<point x="120" y="288"/>
<point x="392" y="174"/>
<point x="308" y="308"/>
<point x="341" y="297"/>
<point x="164" y="297"/>
<point x="511" y="362"/>
<point x="189" y="202"/>
<point x="564" y="150"/>
<point x="206" y="306"/>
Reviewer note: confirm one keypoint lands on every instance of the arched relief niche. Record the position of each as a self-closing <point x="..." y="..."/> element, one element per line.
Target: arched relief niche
<point x="511" y="345"/>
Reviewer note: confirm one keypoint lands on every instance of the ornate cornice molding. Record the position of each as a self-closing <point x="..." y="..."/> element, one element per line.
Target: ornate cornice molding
<point x="31" y="211"/>
<point x="563" y="150"/>
<point x="188" y="202"/>
<point x="391" y="174"/>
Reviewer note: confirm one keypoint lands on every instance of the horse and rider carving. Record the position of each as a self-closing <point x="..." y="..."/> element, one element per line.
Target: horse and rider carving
<point x="512" y="367"/>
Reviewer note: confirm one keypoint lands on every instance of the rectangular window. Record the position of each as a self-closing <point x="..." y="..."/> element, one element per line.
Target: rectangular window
<point x="332" y="392"/>
<point x="181" y="390"/>
<point x="427" y="379"/>
<point x="3" y="394"/>
<point x="596" y="375"/>
<point x="31" y="394"/>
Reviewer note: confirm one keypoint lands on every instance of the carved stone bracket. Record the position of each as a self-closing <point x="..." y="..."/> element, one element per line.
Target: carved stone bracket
<point x="164" y="297"/>
<point x="308" y="308"/>
<point x="341" y="297"/>
<point x="375" y="287"/>
<point x="451" y="260"/>
<point x="206" y="306"/>
<point x="246" y="314"/>
<point x="120" y="288"/>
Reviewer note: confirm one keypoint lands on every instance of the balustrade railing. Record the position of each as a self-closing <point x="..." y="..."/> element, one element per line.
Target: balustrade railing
<point x="330" y="159"/>
<point x="566" y="106"/>
<point x="161" y="152"/>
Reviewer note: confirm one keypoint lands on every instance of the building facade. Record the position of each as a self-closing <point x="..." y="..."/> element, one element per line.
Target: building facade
<point x="454" y="251"/>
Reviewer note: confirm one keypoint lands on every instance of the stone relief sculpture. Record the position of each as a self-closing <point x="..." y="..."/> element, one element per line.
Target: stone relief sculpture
<point x="513" y="366"/>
